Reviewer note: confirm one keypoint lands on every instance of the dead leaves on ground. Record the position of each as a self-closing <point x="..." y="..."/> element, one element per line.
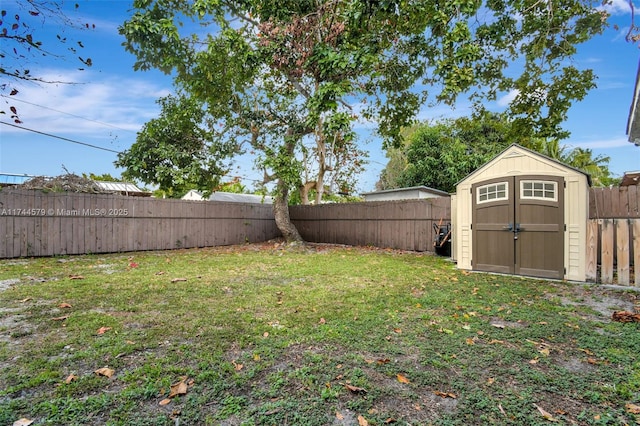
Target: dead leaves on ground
<point x="179" y="388"/>
<point x="545" y="414"/>
<point x="624" y="316"/>
<point x="105" y="372"/>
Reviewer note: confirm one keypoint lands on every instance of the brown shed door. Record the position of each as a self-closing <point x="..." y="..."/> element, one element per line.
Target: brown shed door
<point x="518" y="226"/>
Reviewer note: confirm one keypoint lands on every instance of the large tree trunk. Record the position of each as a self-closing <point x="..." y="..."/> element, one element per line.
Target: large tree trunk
<point x="281" y="213"/>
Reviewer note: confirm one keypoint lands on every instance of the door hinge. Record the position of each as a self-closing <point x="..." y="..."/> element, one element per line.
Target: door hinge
<point x="565" y="183"/>
<point x="471" y="226"/>
<point x="565" y="226"/>
<point x="565" y="271"/>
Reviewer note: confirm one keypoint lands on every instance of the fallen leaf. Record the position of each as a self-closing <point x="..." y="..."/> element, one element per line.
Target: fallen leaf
<point x="545" y="351"/>
<point x="445" y="394"/>
<point x="178" y="388"/>
<point x="362" y="421"/>
<point x="632" y="408"/>
<point x="322" y="321"/>
<point x="103" y="330"/>
<point x="76" y="277"/>
<point x="625" y="316"/>
<point x="178" y="280"/>
<point x="390" y="420"/>
<point x="256" y="357"/>
<point x="501" y="326"/>
<point x="490" y="380"/>
<point x="62" y="318"/>
<point x="402" y="379"/>
<point x="164" y="402"/>
<point x="383" y="361"/>
<point x="133" y="265"/>
<point x="237" y="366"/>
<point x="70" y="378"/>
<point x="265" y="334"/>
<point x="397" y="330"/>
<point x="104" y="371"/>
<point x="355" y="389"/>
<point x="64" y="305"/>
<point x="592" y="361"/>
<point x="22" y="422"/>
<point x="470" y="341"/>
<point x="586" y="351"/>
<point x="545" y="413"/>
<point x="159" y="273"/>
<point x="502" y="410"/>
<point x="25" y="300"/>
<point x="339" y="416"/>
<point x="533" y="361"/>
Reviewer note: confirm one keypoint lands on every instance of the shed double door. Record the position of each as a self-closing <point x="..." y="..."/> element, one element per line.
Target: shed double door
<point x="518" y="226"/>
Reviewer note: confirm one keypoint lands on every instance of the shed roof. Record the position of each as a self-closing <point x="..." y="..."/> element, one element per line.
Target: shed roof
<point x="515" y="146"/>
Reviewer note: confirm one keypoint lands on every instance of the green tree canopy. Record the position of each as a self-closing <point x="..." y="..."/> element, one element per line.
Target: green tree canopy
<point x="177" y="151"/>
<point x="279" y="73"/>
<point x="441" y="154"/>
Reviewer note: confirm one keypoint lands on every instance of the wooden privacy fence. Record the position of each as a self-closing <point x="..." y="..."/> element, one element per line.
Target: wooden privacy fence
<point x="613" y="250"/>
<point x="614" y="203"/>
<point x="404" y="225"/>
<point x="33" y="223"/>
<point x="613" y="235"/>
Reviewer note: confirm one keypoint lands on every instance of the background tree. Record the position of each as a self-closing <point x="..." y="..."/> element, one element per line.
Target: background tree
<point x="177" y="151"/>
<point x="278" y="74"/>
<point x="441" y="154"/>
<point x="21" y="22"/>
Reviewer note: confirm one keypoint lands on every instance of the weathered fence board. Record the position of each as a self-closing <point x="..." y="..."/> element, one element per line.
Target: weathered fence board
<point x="614" y="203"/>
<point x="614" y="246"/>
<point x="405" y="225"/>
<point x="33" y="223"/>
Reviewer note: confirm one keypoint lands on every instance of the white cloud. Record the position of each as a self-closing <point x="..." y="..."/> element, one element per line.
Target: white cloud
<point x="614" y="142"/>
<point x="505" y="100"/>
<point x="101" y="108"/>
<point x="618" y="7"/>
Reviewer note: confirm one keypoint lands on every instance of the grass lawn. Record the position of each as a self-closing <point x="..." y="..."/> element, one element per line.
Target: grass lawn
<point x="322" y="335"/>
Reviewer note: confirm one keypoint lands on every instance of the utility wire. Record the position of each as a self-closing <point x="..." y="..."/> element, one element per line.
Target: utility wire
<point x="67" y="113"/>
<point x="60" y="137"/>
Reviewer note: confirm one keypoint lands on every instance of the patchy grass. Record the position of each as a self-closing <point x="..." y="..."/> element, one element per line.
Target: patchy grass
<point x="267" y="335"/>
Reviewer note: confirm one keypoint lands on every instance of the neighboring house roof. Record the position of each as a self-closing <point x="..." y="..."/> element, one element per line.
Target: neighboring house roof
<point x="630" y="179"/>
<point x="229" y="197"/>
<point x="7" y="179"/>
<point x="409" y="191"/>
<point x="633" y="123"/>
<point x="124" y="188"/>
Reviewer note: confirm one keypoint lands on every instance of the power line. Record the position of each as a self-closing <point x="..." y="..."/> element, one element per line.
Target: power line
<point x="67" y="113"/>
<point x="60" y="137"/>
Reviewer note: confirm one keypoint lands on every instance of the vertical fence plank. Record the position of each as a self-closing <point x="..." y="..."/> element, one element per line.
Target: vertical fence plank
<point x="606" y="253"/>
<point x="622" y="250"/>
<point x="635" y="226"/>
<point x="592" y="250"/>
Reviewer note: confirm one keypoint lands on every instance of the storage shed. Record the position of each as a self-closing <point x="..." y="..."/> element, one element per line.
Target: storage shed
<point x="522" y="213"/>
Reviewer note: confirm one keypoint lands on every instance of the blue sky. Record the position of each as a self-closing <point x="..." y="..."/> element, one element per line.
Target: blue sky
<point x="111" y="102"/>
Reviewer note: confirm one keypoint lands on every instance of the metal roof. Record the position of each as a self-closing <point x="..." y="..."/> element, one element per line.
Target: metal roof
<point x="118" y="186"/>
<point x="13" y="179"/>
